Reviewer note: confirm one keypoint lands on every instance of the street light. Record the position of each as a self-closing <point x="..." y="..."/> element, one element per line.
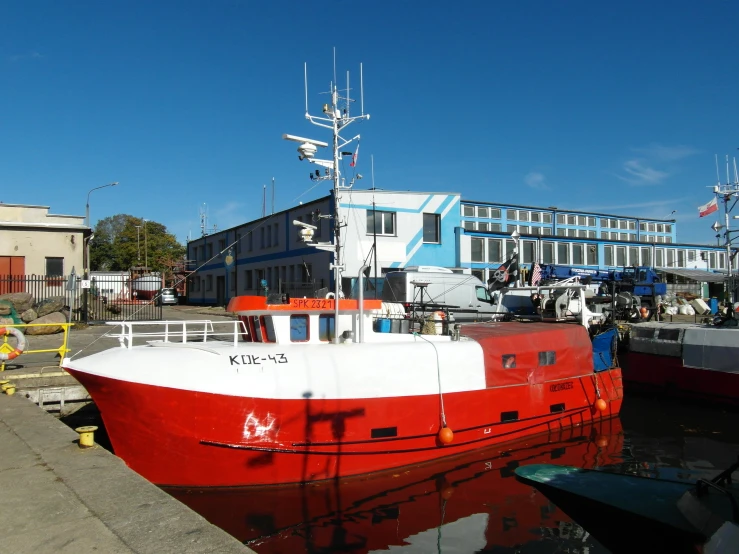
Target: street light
<point x="87" y="248"/>
<point x="138" y="243"/>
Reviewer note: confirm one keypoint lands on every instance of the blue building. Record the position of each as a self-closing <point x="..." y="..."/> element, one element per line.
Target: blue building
<point x="408" y="229"/>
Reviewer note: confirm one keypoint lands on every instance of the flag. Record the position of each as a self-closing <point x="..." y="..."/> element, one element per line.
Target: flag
<point x="535" y="275"/>
<point x="505" y="276"/>
<point x="354" y="157"/>
<point x="709" y="208"/>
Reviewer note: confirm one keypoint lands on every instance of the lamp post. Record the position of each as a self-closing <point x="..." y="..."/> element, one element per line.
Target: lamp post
<point x="146" y="248"/>
<point x="138" y="243"/>
<point x="87" y="224"/>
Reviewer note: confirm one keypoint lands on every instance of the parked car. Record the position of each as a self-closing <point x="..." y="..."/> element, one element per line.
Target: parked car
<point x="168" y="296"/>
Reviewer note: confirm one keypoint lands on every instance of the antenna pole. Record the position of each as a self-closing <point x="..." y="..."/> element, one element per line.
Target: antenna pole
<point x="264" y="200"/>
<point x="361" y="89"/>
<point x="273" y="195"/>
<point x="306" y="87"/>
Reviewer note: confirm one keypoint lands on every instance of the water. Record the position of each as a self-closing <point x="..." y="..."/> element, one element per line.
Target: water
<point x="473" y="503"/>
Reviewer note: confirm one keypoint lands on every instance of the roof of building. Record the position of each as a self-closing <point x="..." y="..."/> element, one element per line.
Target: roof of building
<point x="700" y="275"/>
<point x="562" y="210"/>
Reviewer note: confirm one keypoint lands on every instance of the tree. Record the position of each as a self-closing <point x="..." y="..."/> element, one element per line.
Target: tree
<point x="118" y="245"/>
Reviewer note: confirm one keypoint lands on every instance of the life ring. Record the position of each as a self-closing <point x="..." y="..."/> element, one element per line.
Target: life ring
<point x="20" y="346"/>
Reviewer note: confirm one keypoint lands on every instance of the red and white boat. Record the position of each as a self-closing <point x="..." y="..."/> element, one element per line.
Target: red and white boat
<point x="300" y="390"/>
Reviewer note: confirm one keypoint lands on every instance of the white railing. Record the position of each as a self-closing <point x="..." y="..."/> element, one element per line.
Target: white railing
<point x="178" y="331"/>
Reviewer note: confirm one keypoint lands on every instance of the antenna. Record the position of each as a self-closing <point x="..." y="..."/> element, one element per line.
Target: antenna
<point x="372" y="158"/>
<point x="718" y="178"/>
<point x="264" y="200"/>
<point x="334" y="118"/>
<point x="273" y="195"/>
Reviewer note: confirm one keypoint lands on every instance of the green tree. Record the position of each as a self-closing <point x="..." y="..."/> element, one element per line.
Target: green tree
<point x="118" y="244"/>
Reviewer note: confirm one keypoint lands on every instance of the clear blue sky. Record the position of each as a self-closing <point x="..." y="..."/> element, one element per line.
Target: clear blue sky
<point x="614" y="107"/>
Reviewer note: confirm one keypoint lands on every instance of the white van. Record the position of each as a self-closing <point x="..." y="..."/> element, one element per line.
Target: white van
<point x="432" y="288"/>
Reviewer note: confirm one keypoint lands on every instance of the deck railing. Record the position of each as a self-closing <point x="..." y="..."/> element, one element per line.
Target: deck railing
<point x="178" y="331"/>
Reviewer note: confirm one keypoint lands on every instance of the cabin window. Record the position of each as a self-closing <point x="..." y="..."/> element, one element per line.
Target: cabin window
<point x="326" y="328"/>
<point x="299" y="328"/>
<point x="432" y="227"/>
<point x="509" y="361"/>
<point x="547" y="358"/>
<point x="668" y="334"/>
<point x="264" y="329"/>
<point x="643" y="332"/>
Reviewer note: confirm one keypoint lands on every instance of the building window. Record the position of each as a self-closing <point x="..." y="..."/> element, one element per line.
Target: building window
<point x="546" y="231"/>
<point x="659" y="256"/>
<point x="577" y="254"/>
<point x="535" y="217"/>
<point x="476" y="250"/>
<point x="383" y="223"/>
<point x="681" y="258"/>
<point x="561" y="219"/>
<point x="469" y="225"/>
<point x="496" y="227"/>
<point x="431" y="228"/>
<point x="668" y="228"/>
<point x="523" y="216"/>
<point x="547" y="252"/>
<point x="494" y="213"/>
<point x="632" y="225"/>
<point x="621" y="256"/>
<point x="546" y="218"/>
<point x="529" y="251"/>
<point x="608" y="252"/>
<point x="563" y="253"/>
<point x="481" y="226"/>
<point x="591" y="253"/>
<point x="494" y="250"/>
<point x="482" y="211"/>
<point x="54" y="267"/>
<point x="646" y="256"/>
<point x="468" y="211"/>
<point x="571" y="220"/>
<point x="634" y="255"/>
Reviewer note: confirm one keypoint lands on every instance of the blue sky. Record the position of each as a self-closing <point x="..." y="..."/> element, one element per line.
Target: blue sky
<point x="618" y="108"/>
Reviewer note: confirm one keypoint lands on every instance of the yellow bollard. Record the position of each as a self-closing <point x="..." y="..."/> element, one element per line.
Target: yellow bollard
<point x="7" y="387"/>
<point x="87" y="435"/>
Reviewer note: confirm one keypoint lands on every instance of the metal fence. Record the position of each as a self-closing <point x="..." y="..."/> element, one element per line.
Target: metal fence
<point x="108" y="298"/>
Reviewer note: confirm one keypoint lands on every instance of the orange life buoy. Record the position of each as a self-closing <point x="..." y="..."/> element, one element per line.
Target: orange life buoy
<point x="20" y="346"/>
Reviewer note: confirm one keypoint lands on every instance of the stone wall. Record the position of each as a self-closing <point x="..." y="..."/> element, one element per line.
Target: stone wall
<point x="21" y="307"/>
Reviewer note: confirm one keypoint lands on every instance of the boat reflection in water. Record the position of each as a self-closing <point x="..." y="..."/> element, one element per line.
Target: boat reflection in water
<point x="466" y="503"/>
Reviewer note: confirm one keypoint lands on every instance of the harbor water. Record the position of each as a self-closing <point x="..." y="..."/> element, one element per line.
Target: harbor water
<point x="473" y="502"/>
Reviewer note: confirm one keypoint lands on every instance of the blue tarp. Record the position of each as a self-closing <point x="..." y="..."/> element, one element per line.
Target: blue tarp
<point x="604" y="346"/>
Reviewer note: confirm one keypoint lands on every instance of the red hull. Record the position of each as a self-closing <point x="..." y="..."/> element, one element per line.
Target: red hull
<point x="185" y="438"/>
<point x="667" y="375"/>
<point x="389" y="509"/>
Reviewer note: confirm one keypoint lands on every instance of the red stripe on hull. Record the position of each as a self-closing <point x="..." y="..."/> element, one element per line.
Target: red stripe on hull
<point x="186" y="438"/>
<point x="667" y="374"/>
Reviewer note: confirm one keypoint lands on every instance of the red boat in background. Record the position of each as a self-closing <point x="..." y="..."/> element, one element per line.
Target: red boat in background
<point x="470" y="502"/>
<point x="689" y="360"/>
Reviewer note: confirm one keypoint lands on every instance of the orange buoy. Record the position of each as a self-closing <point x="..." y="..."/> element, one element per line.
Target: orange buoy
<point x="446" y="435"/>
<point x="601" y="405"/>
<point x="644" y="313"/>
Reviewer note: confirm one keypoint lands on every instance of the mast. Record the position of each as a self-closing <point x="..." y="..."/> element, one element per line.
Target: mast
<point x="336" y="117"/>
<point x="726" y="192"/>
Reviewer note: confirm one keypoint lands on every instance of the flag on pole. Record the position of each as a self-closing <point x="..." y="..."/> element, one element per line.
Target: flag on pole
<point x="709" y="208"/>
<point x="505" y="276"/>
<point x="535" y="275"/>
<point x="354" y="157"/>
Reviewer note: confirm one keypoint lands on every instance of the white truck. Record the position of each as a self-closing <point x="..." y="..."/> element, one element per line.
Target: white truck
<point x="425" y="289"/>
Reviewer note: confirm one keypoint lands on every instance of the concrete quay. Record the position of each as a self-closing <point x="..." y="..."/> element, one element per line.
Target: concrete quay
<point x="59" y="498"/>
